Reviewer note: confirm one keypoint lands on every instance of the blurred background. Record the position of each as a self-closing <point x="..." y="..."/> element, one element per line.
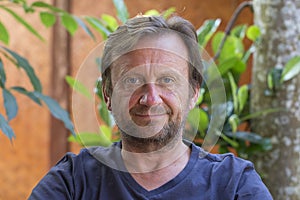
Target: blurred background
<point x="40" y="139"/>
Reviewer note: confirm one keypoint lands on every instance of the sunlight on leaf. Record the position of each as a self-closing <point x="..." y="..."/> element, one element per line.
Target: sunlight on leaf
<point x="291" y="69"/>
<point x="242" y="97"/>
<point x="110" y="21"/>
<point x="168" y="12"/>
<point x="151" y="12"/>
<point x="206" y="31"/>
<point x="78" y="87"/>
<point x="4" y="36"/>
<point x="69" y="23"/>
<point x="253" y="33"/>
<point x="106" y="131"/>
<point x="48" y="19"/>
<point x="90" y="139"/>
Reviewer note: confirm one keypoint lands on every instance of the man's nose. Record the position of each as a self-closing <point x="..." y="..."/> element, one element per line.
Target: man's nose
<point x="151" y="95"/>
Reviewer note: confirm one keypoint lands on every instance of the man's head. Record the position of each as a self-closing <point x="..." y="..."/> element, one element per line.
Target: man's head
<point x="126" y="36"/>
<point x="151" y="77"/>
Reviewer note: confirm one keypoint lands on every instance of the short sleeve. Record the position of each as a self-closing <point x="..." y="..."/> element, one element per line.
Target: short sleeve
<point x="251" y="187"/>
<point x="58" y="183"/>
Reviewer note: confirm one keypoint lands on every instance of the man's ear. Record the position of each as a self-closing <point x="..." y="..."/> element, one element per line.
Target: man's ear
<point x="106" y="97"/>
<point x="194" y="97"/>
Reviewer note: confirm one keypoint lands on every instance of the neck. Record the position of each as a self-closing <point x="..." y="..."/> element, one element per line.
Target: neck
<point x="141" y="162"/>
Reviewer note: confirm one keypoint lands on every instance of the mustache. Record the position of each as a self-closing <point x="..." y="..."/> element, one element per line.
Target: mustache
<point x="153" y="110"/>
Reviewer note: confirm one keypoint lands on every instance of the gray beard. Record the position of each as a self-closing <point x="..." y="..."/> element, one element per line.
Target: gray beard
<point x="169" y="134"/>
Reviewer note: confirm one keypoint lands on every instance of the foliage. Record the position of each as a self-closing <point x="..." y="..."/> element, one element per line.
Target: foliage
<point x="231" y="57"/>
<point x="231" y="61"/>
<point x="48" y="15"/>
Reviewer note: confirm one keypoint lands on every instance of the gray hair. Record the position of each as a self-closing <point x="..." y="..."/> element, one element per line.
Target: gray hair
<point x="126" y="37"/>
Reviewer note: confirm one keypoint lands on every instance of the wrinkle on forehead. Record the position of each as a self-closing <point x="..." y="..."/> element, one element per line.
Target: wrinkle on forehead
<point x="169" y="42"/>
<point x="149" y="61"/>
<point x="163" y="49"/>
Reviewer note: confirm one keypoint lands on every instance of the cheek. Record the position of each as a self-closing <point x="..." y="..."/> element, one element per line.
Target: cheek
<point x="134" y="99"/>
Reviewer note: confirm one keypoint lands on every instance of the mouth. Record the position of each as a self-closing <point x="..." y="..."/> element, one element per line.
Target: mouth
<point x="143" y="115"/>
<point x="149" y="115"/>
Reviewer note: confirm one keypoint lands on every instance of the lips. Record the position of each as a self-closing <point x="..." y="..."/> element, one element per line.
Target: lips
<point x="152" y="112"/>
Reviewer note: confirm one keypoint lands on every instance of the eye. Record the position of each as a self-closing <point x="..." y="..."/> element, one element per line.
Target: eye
<point x="167" y="80"/>
<point x="132" y="81"/>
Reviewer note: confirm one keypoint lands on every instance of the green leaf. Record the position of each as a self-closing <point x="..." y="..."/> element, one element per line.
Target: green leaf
<point x="99" y="88"/>
<point x="121" y="8"/>
<point x="57" y="111"/>
<point x="233" y="46"/>
<point x="234" y="122"/>
<point x="270" y="82"/>
<point x="96" y="24"/>
<point x="233" y="86"/>
<point x="229" y="141"/>
<point x="248" y="53"/>
<point x="233" y="64"/>
<point x="105" y="114"/>
<point x="201" y="96"/>
<point x="27" y="8"/>
<point x="193" y="118"/>
<point x="253" y="33"/>
<point x="84" y="27"/>
<point x="10" y="104"/>
<point x="23" y="22"/>
<point x="4" y="36"/>
<point x="248" y="136"/>
<point x="78" y="87"/>
<point x="110" y="22"/>
<point x="203" y="121"/>
<point x="261" y="113"/>
<point x="106" y="131"/>
<point x="2" y="75"/>
<point x="48" y="19"/>
<point x="90" y="139"/>
<point x="23" y="63"/>
<point x="242" y="97"/>
<point x="239" y="31"/>
<point x="152" y="12"/>
<point x="5" y="128"/>
<point x="168" y="12"/>
<point x="41" y="4"/>
<point x="291" y="69"/>
<point x="69" y="23"/>
<point x="22" y="90"/>
<point x="206" y="31"/>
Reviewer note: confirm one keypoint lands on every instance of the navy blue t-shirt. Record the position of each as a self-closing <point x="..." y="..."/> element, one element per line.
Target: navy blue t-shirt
<point x="205" y="177"/>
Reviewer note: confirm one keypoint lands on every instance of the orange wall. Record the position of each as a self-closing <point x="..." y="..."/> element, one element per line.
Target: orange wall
<point x="25" y="161"/>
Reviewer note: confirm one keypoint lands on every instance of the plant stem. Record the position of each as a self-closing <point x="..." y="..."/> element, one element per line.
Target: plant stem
<point x="230" y="25"/>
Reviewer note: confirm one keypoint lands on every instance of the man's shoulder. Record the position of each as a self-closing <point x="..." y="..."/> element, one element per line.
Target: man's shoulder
<point x="98" y="156"/>
<point x="226" y="160"/>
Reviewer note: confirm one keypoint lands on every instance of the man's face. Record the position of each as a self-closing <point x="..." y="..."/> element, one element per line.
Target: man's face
<point x="151" y="91"/>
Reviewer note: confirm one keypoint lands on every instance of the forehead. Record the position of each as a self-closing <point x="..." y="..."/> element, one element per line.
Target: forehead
<point x="167" y="50"/>
<point x="168" y="42"/>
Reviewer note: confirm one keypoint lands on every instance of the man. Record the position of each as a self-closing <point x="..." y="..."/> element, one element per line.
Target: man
<point x="151" y="72"/>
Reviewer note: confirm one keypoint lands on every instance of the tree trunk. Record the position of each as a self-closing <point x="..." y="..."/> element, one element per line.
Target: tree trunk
<point x="60" y="91"/>
<point x="279" y="22"/>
